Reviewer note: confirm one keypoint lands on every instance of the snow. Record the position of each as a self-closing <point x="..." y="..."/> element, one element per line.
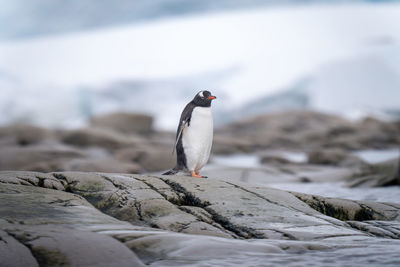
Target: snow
<point x="357" y="86"/>
<point x="255" y="53"/>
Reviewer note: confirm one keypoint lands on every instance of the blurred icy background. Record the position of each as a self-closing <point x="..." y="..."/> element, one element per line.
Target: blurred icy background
<point x="63" y="61"/>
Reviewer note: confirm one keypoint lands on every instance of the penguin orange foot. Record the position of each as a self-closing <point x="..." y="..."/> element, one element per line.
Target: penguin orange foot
<point x="197" y="174"/>
<point x="202" y="176"/>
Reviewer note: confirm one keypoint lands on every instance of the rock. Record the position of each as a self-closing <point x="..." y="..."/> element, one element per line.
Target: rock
<point x="162" y="138"/>
<point x="222" y="208"/>
<point x="309" y="130"/>
<point x="154" y="159"/>
<point x="144" y="205"/>
<point x="47" y="166"/>
<point x="386" y="173"/>
<point x="129" y="154"/>
<point x="102" y="165"/>
<point x="230" y="145"/>
<point x="274" y="172"/>
<point x="130" y="220"/>
<point x="97" y="138"/>
<point x="336" y="157"/>
<point x="126" y="123"/>
<point x="38" y="226"/>
<point x="32" y="157"/>
<point x="376" y="228"/>
<point x="377" y="134"/>
<point x="32" y="178"/>
<point x="349" y="210"/>
<point x="151" y="159"/>
<point x="14" y="253"/>
<point x="292" y="129"/>
<point x="273" y="159"/>
<point x="59" y="246"/>
<point x="25" y="134"/>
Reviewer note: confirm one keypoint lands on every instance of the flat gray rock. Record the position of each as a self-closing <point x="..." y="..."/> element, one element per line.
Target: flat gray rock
<point x="103" y="219"/>
<point x="13" y="253"/>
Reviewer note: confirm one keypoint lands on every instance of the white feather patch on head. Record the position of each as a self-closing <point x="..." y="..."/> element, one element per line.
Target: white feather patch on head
<point x="201" y="94"/>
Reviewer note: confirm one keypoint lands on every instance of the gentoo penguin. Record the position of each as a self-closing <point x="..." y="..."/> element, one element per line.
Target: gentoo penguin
<point x="194" y="135"/>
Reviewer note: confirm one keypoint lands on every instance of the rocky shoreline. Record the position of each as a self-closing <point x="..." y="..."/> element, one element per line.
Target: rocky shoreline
<point x="128" y="143"/>
<point x="78" y="218"/>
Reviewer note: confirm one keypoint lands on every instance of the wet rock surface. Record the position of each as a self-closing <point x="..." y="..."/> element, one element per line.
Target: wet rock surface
<point x="78" y="218"/>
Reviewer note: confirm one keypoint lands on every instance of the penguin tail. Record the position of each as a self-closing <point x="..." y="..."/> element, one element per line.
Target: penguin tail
<point x="170" y="172"/>
<point x="173" y="171"/>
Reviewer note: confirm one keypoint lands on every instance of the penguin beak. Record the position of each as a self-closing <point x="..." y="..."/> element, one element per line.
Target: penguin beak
<point x="212" y="97"/>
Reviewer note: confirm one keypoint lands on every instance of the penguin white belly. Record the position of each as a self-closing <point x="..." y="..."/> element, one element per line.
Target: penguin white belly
<point x="197" y="138"/>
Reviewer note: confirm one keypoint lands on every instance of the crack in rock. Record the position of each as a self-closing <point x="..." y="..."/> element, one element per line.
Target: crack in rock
<point x="41" y="181"/>
<point x="27" y="181"/>
<point x="375" y="228"/>
<point x="139" y="210"/>
<point x="67" y="185"/>
<point x="42" y="255"/>
<point x="278" y="204"/>
<point x="327" y="208"/>
<point x="191" y="200"/>
<point x="241" y="231"/>
<point x="116" y="185"/>
<point x="153" y="188"/>
<point x="363" y="213"/>
<point x="188" y="198"/>
<point x="284" y="234"/>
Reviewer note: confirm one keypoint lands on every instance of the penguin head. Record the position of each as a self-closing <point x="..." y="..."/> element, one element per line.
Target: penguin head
<point x="203" y="99"/>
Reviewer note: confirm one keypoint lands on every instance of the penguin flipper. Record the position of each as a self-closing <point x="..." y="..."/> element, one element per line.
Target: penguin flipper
<point x="178" y="136"/>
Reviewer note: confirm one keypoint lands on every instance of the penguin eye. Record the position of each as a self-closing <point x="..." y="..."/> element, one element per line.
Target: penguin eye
<point x="206" y="94"/>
